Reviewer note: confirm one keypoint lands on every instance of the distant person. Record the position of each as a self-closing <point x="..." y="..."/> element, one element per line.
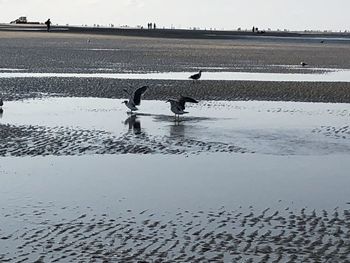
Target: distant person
<point x="253" y="29"/>
<point x="154" y="26"/>
<point x="48" y="24"/>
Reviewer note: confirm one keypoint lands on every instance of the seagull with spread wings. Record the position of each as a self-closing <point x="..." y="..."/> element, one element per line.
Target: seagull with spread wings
<point x="134" y="98"/>
<point x="178" y="106"/>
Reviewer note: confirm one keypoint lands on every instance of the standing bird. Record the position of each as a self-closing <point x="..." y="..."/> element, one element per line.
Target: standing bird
<point x="1" y="110"/>
<point x="134" y="98"/>
<point x="196" y="76"/>
<point x="303" y="64"/>
<point x="178" y="106"/>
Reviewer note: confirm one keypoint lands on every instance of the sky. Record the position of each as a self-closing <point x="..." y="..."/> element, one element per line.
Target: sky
<point x="219" y="14"/>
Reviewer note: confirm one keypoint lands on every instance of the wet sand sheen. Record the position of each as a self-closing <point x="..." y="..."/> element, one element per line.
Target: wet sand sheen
<point x="172" y="214"/>
<point x="333" y="76"/>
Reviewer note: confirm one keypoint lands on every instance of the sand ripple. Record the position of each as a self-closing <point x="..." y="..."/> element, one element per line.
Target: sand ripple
<point x="217" y="235"/>
<point x="342" y="132"/>
<point x="41" y="141"/>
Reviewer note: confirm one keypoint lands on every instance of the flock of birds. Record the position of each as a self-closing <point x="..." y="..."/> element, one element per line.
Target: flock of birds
<point x="177" y="106"/>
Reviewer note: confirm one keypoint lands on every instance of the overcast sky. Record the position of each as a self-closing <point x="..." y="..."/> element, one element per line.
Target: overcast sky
<point x="227" y="14"/>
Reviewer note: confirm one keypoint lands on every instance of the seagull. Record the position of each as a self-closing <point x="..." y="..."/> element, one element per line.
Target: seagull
<point x="303" y="64"/>
<point x="196" y="76"/>
<point x="178" y="106"/>
<point x="134" y="98"/>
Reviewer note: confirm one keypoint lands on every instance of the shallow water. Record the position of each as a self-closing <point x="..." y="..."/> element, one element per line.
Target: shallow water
<point x="331" y="76"/>
<point x="278" y="128"/>
<point x="81" y="207"/>
<point x="185" y="207"/>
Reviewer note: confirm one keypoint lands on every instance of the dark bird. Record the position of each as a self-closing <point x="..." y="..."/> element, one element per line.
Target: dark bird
<point x="196" y="76"/>
<point x="178" y="106"/>
<point x="303" y="64"/>
<point x="134" y="98"/>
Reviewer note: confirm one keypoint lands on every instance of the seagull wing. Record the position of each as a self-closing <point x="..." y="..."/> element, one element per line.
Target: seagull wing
<point x="183" y="100"/>
<point x="138" y="93"/>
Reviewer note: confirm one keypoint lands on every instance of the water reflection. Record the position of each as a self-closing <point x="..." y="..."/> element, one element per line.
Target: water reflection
<point x="134" y="124"/>
<point x="177" y="129"/>
<point x="1" y="112"/>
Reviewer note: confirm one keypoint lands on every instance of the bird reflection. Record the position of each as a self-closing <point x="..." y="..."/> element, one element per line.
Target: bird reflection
<point x="1" y="112"/>
<point x="177" y="130"/>
<point x="134" y="124"/>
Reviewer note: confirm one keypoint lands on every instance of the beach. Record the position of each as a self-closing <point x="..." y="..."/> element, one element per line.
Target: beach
<point x="256" y="171"/>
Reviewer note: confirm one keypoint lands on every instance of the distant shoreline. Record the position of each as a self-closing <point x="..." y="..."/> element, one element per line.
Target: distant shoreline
<point x="177" y="33"/>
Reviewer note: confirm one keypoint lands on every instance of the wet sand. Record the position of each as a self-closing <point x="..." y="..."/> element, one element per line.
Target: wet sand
<point x="17" y="89"/>
<point x="234" y="181"/>
<point x="72" y="53"/>
<point x="41" y="52"/>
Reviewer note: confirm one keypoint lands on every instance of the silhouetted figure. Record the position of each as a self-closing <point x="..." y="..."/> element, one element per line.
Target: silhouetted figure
<point x="253" y="29"/>
<point x="154" y="25"/>
<point x="134" y="98"/>
<point x="196" y="76"/>
<point x="178" y="106"/>
<point x="48" y="24"/>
